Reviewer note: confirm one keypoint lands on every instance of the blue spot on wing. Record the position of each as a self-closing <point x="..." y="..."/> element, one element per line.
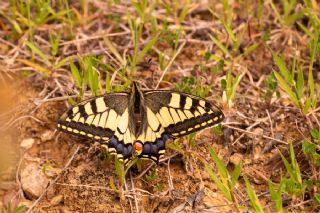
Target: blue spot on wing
<point x="151" y="149"/>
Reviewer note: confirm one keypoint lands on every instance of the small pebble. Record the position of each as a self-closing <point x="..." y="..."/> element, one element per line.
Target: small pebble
<point x="27" y="143"/>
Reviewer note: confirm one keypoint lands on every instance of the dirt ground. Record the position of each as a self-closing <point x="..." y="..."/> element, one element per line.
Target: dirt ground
<point x="49" y="171"/>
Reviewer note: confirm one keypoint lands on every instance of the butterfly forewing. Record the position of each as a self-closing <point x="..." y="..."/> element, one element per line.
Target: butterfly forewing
<point x="104" y="118"/>
<point x="180" y="113"/>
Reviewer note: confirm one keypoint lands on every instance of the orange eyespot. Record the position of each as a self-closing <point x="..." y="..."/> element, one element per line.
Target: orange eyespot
<point x="137" y="147"/>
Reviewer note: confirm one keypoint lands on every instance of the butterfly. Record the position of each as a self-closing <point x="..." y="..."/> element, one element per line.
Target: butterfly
<point x="138" y="123"/>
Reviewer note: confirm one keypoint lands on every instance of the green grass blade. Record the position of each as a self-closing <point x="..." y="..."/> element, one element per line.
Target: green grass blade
<point x="14" y="24"/>
<point x="221" y="167"/>
<point x="19" y="209"/>
<point x="248" y="50"/>
<point x="306" y="30"/>
<point x="300" y="84"/>
<point x="235" y="84"/>
<point x="282" y="67"/>
<point x="146" y="49"/>
<point x="276" y="195"/>
<point x="220" y="45"/>
<point x="220" y="185"/>
<point x="119" y="171"/>
<point x="64" y="61"/>
<point x="295" y="165"/>
<point x="54" y="44"/>
<point x="287" y="89"/>
<point x="287" y="165"/>
<point x="43" y="70"/>
<point x="293" y="168"/>
<point x="275" y="10"/>
<point x="314" y="45"/>
<point x="317" y="198"/>
<point x="184" y="11"/>
<point x="37" y="51"/>
<point x="113" y="186"/>
<point x="235" y="174"/>
<point x="307" y="105"/>
<point x="254" y="201"/>
<point x="76" y="75"/>
<point x="114" y="51"/>
<point x="108" y="83"/>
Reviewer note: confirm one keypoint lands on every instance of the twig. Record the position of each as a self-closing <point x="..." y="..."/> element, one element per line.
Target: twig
<point x="93" y="37"/>
<point x="170" y="178"/>
<point x="271" y="126"/>
<point x="39" y="103"/>
<point x="134" y="193"/>
<point x="126" y="188"/>
<point x="20" y="118"/>
<point x="252" y="133"/>
<point x="153" y="163"/>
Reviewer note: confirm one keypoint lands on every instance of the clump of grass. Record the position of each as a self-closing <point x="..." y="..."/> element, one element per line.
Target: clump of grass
<point x="293" y="82"/>
<point x="293" y="184"/>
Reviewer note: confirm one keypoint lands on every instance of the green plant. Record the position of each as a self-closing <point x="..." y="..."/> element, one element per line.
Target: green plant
<point x="288" y="15"/>
<point x="11" y="209"/>
<point x="276" y="195"/>
<point x="234" y="55"/>
<point x="309" y="147"/>
<point x="87" y="75"/>
<point x="294" y="185"/>
<point x="37" y="51"/>
<point x="33" y="14"/>
<point x="310" y="11"/>
<point x="159" y="187"/>
<point x="230" y="85"/>
<point x="90" y="76"/>
<point x="293" y="82"/>
<point x="120" y="171"/>
<point x="271" y="83"/>
<point x="54" y="41"/>
<point x="225" y="181"/>
<point x="187" y="85"/>
<point x="152" y="176"/>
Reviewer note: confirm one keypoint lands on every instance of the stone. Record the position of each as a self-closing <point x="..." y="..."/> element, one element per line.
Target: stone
<point x="46" y="136"/>
<point x="33" y="180"/>
<point x="7" y="185"/>
<point x="235" y="158"/>
<point x="56" y="200"/>
<point x="27" y="143"/>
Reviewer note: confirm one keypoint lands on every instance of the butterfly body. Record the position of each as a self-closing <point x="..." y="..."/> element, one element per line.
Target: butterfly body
<point x="140" y="122"/>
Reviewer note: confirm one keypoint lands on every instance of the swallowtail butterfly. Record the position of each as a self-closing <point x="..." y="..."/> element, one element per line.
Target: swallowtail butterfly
<point x="139" y="123"/>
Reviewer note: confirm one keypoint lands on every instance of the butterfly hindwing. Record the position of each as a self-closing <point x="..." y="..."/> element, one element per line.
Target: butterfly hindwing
<point x="152" y="136"/>
<point x="104" y="118"/>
